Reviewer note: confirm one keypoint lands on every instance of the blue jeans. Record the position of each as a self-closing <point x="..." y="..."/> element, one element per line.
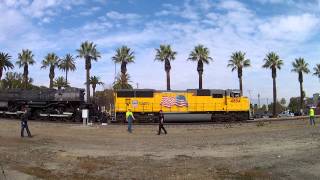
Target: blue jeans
<point x="24" y="126"/>
<point x="312" y="120"/>
<point x="130" y="125"/>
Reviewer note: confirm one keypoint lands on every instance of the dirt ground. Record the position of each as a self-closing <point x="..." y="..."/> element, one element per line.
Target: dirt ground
<point x="276" y="150"/>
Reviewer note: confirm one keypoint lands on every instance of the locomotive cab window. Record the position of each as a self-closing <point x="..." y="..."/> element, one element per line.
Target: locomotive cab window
<point x="144" y="93"/>
<point x="217" y="95"/>
<point x="203" y="92"/>
<point x="125" y="94"/>
<point x="234" y="94"/>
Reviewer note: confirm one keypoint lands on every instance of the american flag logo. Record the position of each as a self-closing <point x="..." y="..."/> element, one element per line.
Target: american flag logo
<point x="179" y="101"/>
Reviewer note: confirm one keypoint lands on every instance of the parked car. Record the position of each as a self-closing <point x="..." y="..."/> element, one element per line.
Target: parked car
<point x="262" y="115"/>
<point x="286" y="114"/>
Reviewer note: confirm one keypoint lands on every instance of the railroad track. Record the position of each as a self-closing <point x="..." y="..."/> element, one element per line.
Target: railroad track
<point x="282" y="118"/>
<point x="180" y="123"/>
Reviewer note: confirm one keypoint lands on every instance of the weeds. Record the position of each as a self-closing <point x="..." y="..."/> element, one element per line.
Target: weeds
<point x="260" y="124"/>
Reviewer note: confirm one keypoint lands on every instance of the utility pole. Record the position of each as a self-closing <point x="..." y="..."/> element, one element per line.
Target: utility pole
<point x="137" y="85"/>
<point x="259" y="100"/>
<point x="267" y="104"/>
<point x="249" y="91"/>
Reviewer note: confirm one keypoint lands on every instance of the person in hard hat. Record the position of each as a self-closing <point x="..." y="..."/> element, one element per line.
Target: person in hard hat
<point x="130" y="118"/>
<point x="311" y="115"/>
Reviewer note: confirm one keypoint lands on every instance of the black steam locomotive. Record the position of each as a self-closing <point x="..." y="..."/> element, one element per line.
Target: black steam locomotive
<point x="62" y="104"/>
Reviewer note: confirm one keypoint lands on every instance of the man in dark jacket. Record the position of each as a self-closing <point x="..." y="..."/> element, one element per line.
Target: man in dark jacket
<point x="161" y="121"/>
<point x="24" y="123"/>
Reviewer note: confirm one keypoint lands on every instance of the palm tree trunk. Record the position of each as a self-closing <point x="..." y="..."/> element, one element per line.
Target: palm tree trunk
<point x="94" y="94"/>
<point x="200" y="80"/>
<point x="274" y="97"/>
<point x="25" y="76"/>
<point x="123" y="67"/>
<point x="301" y="95"/>
<point x="51" y="83"/>
<point x="51" y="76"/>
<point x="168" y="80"/>
<point x="88" y="85"/>
<point x="240" y="84"/>
<point x="67" y="77"/>
<point x="1" y="71"/>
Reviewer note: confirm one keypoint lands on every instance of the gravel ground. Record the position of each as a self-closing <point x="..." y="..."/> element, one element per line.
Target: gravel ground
<point x="272" y="150"/>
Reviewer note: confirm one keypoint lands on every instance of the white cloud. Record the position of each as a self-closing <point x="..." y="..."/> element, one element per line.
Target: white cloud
<point x="291" y="28"/>
<point x="232" y="5"/>
<point x="16" y="3"/>
<point x="90" y="11"/>
<point x="122" y="16"/>
<point x="275" y="1"/>
<point x="41" y="8"/>
<point x="189" y="10"/>
<point x="12" y="23"/>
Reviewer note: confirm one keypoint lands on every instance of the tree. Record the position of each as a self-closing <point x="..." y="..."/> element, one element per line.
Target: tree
<point x="317" y="71"/>
<point x="294" y="104"/>
<point x="89" y="52"/>
<point x="273" y="62"/>
<point x="94" y="81"/>
<point x="5" y="63"/>
<point x="300" y="67"/>
<point x="166" y="54"/>
<point x="263" y="108"/>
<point x="105" y="98"/>
<point x="283" y="102"/>
<point x="238" y="62"/>
<point x="122" y="82"/>
<point x="13" y="80"/>
<point x="60" y="82"/>
<point x="200" y="54"/>
<point x="51" y="61"/>
<point x="25" y="58"/>
<point x="279" y="109"/>
<point x="123" y="56"/>
<point x="67" y="64"/>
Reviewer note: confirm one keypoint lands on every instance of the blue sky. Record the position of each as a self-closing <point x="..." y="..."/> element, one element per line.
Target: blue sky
<point x="288" y="27"/>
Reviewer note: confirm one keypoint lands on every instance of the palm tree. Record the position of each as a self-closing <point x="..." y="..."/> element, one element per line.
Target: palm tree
<point x="124" y="55"/>
<point x="238" y="62"/>
<point x="11" y="80"/>
<point x="273" y="62"/>
<point x="200" y="54"/>
<point x="14" y="80"/>
<point x="300" y="67"/>
<point x="94" y="81"/>
<point x="51" y="61"/>
<point x="317" y="71"/>
<point x="25" y="59"/>
<point x="122" y="82"/>
<point x="67" y="64"/>
<point x="89" y="52"/>
<point x="5" y="63"/>
<point x="166" y="54"/>
<point x="60" y="82"/>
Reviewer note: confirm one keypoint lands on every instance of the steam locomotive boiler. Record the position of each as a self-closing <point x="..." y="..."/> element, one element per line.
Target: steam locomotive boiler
<point x="43" y="103"/>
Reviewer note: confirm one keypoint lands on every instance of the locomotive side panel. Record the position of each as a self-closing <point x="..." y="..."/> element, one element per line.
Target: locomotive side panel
<point x="226" y="103"/>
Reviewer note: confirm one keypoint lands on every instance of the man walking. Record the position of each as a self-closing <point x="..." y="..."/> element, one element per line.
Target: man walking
<point x="161" y="121"/>
<point x="311" y="115"/>
<point x="129" y="118"/>
<point x="24" y="123"/>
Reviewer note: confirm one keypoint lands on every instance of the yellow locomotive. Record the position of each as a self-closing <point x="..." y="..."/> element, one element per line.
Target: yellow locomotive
<point x="222" y="105"/>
